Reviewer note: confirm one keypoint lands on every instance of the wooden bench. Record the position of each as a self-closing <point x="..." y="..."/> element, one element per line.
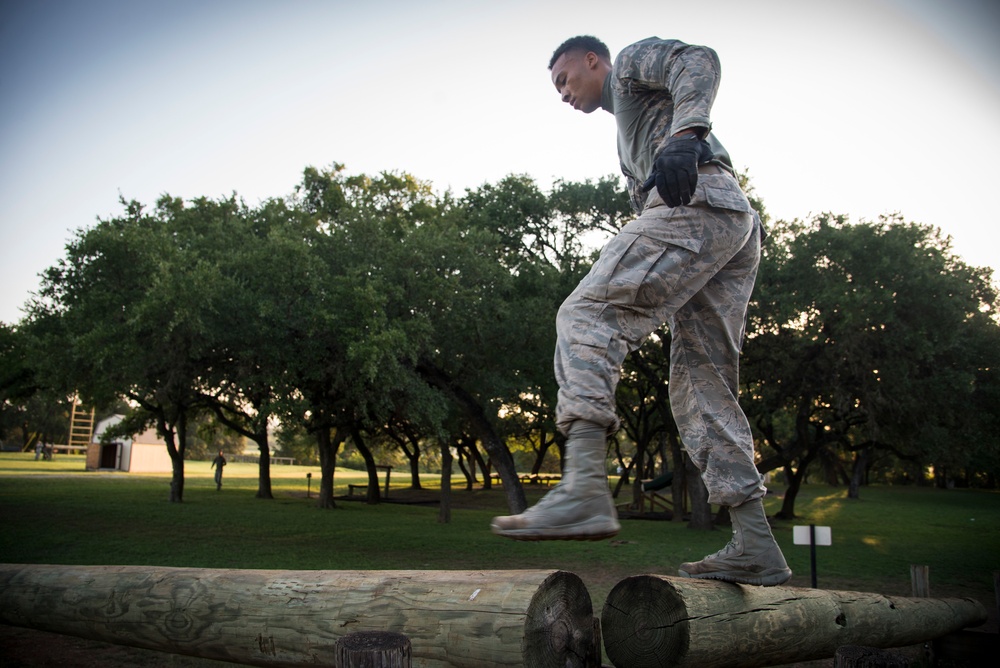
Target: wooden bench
<point x="388" y="472"/>
<point x="541" y="478"/>
<point x="532" y="479"/>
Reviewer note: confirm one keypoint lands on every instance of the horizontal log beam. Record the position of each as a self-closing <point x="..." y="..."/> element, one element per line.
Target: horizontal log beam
<point x="656" y="620"/>
<point x="295" y="618"/>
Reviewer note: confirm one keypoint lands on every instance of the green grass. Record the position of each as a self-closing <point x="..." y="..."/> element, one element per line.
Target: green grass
<point x="55" y="512"/>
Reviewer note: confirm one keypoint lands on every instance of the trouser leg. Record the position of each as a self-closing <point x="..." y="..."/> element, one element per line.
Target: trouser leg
<point x="639" y="283"/>
<point x="644" y="277"/>
<point x="706" y="338"/>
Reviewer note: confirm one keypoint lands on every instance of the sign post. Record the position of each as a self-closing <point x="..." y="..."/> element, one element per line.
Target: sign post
<point x="812" y="536"/>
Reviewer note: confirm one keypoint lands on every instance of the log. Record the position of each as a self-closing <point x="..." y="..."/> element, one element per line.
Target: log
<point x="656" y="620"/>
<point x="295" y="618"/>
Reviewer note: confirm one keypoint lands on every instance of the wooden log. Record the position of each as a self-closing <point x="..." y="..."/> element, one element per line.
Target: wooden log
<point x="656" y="620"/>
<point x="373" y="649"/>
<point x="294" y="618"/>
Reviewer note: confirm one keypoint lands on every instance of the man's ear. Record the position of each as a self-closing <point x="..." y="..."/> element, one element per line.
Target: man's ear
<point x="592" y="59"/>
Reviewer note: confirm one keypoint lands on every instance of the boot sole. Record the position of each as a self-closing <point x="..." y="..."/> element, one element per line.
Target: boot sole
<point x="565" y="533"/>
<point x="765" y="579"/>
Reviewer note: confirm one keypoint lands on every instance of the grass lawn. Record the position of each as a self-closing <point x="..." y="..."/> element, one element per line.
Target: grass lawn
<point x="55" y="512"/>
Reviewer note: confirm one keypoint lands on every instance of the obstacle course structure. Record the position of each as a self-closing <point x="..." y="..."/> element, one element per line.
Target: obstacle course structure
<point x="461" y="619"/>
<point x="654" y="620"/>
<point x="295" y="618"/>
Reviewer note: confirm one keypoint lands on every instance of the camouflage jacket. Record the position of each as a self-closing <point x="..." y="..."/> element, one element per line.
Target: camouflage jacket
<point x="658" y="87"/>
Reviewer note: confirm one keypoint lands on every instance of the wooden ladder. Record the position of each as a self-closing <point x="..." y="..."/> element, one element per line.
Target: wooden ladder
<point x="81" y="426"/>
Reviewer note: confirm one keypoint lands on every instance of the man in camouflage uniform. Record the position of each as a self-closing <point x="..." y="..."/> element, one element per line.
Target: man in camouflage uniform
<point x="688" y="260"/>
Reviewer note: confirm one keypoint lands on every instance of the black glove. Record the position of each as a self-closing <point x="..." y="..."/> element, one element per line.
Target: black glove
<point x="675" y="169"/>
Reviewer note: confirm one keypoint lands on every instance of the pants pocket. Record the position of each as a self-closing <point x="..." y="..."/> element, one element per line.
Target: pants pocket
<point x="622" y="269"/>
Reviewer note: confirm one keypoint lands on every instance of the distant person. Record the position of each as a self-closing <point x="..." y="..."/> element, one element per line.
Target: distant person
<point x="689" y="260"/>
<point x="38" y="450"/>
<point x="218" y="463"/>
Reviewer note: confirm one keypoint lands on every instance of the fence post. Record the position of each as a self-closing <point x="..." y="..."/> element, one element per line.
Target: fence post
<point x="373" y="649"/>
<point x="920" y="581"/>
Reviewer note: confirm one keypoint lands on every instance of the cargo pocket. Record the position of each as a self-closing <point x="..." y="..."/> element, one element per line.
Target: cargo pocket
<point x="722" y="192"/>
<point x="622" y="269"/>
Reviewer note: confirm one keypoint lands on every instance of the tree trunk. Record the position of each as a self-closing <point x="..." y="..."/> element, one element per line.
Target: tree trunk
<point x="794" y="479"/>
<point x="295" y="618"/>
<point x="857" y="473"/>
<point x="464" y="456"/>
<point x="413" y="458"/>
<point x="478" y="461"/>
<point x="544" y="443"/>
<point x="263" y="465"/>
<point x="175" y="438"/>
<point x="794" y="483"/>
<point x="623" y="477"/>
<point x="254" y="428"/>
<point x="494" y="445"/>
<point x="328" y="448"/>
<point x="655" y="620"/>
<point x="372" y="495"/>
<point x="444" y="511"/>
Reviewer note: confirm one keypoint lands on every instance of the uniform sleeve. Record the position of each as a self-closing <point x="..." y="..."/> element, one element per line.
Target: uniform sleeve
<point x="689" y="73"/>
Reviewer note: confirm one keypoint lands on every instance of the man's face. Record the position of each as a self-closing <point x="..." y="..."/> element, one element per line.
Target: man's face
<point x="579" y="79"/>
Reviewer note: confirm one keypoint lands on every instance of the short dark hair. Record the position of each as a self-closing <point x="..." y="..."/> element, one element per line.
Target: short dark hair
<point x="581" y="43"/>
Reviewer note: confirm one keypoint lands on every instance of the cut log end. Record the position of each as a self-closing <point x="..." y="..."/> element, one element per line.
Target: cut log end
<point x="559" y="625"/>
<point x="644" y="623"/>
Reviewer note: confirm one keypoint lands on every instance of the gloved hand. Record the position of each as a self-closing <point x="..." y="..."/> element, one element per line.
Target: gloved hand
<point x="675" y="169"/>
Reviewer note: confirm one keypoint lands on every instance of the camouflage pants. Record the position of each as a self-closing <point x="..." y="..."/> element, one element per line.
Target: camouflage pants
<point x="693" y="268"/>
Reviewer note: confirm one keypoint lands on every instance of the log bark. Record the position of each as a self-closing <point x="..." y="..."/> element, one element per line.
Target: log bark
<point x="655" y="620"/>
<point x="295" y="618"/>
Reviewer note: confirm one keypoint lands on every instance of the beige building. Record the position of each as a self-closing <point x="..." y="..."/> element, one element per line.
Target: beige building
<point x="142" y="453"/>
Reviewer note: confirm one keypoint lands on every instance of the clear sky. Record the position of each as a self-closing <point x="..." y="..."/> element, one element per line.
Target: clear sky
<point x="860" y="107"/>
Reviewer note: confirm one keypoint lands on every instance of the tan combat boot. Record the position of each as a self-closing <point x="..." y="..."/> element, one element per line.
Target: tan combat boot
<point x="580" y="507"/>
<point x="752" y="557"/>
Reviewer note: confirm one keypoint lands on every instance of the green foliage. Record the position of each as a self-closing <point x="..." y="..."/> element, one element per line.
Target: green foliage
<point x="870" y="336"/>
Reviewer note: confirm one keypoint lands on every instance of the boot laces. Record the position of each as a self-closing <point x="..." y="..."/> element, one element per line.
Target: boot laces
<point x="731" y="548"/>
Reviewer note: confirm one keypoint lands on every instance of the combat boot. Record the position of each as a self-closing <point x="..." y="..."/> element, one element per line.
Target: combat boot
<point x="752" y="557"/>
<point x="580" y="507"/>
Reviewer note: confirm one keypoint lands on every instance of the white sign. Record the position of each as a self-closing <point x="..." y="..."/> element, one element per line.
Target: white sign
<point x="823" y="535"/>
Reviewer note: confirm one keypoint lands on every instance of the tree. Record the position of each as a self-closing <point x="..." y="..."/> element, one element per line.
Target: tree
<point x="264" y="269"/>
<point x="360" y="340"/>
<point x="856" y="331"/>
<point x="117" y="317"/>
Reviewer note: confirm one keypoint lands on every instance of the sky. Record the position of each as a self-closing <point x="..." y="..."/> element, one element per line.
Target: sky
<point x="856" y="107"/>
